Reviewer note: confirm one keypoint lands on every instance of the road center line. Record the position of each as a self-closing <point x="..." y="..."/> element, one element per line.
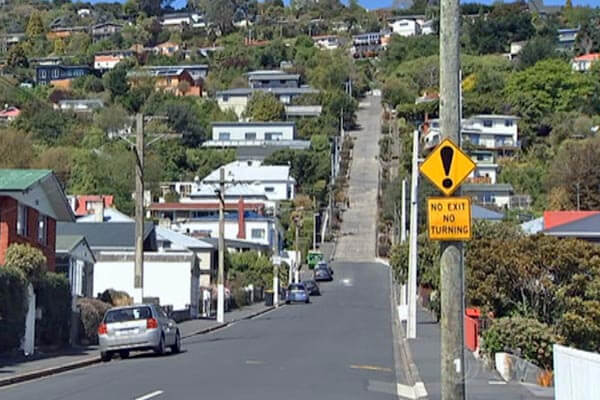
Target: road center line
<point x="371" y="368"/>
<point x="150" y="395"/>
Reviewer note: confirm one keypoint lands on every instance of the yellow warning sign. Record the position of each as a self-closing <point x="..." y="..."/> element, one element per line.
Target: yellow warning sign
<point x="449" y="218"/>
<point x="447" y="167"/>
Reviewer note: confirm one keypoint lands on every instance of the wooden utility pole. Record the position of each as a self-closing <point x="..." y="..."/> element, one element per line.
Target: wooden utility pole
<point x="451" y="262"/>
<point x="221" y="272"/>
<point x="139" y="210"/>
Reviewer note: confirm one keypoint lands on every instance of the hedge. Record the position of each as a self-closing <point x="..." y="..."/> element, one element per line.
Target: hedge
<point x="53" y="297"/>
<point x="13" y="307"/>
<point x="524" y="337"/>
<point x="91" y="313"/>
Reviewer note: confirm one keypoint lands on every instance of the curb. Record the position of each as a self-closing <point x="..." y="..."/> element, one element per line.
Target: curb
<point x="48" y="371"/>
<point x="27" y="376"/>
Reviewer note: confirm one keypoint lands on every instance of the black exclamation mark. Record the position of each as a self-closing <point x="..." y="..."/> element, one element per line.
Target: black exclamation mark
<point x="447" y="153"/>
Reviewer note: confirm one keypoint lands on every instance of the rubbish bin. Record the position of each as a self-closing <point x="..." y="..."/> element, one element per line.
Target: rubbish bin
<point x="268" y="298"/>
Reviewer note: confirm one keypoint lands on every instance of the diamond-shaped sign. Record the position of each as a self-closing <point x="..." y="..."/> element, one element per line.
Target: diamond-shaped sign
<point x="447" y="167"/>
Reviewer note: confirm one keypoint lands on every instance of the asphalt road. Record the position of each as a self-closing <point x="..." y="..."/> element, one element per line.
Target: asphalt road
<point x="337" y="347"/>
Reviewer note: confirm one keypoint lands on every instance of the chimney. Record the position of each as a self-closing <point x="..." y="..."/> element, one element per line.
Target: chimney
<point x="99" y="210"/>
<point x="241" y="220"/>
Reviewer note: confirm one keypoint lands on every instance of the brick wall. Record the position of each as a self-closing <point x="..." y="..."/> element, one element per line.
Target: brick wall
<point x="8" y="231"/>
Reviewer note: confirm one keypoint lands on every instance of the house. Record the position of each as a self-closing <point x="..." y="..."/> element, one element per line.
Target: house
<point x="495" y="132"/>
<point x="106" y="215"/>
<point x="80" y="105"/>
<point x="9" y="114"/>
<point x="84" y="12"/>
<point x="63" y="32"/>
<point x="483" y="214"/>
<point x="31" y="201"/>
<point x="237" y="99"/>
<point x="428" y="27"/>
<point x="515" y="49"/>
<point x="366" y="44"/>
<point x="486" y="169"/>
<point x="176" y="80"/>
<point x="584" y="63"/>
<point x="405" y="27"/>
<point x="489" y="194"/>
<point x="59" y="75"/>
<point x="105" y="30"/>
<point x="326" y="42"/>
<point x="105" y="60"/>
<point x="45" y="61"/>
<point x="293" y="112"/>
<point x="274" y="180"/>
<point x="272" y="79"/>
<point x="198" y="72"/>
<point x="566" y="38"/>
<point x="177" y="21"/>
<point x="579" y="226"/>
<point x="89" y="204"/>
<point x="166" y="49"/>
<point x="8" y="40"/>
<point x="244" y="134"/>
<point x="75" y="259"/>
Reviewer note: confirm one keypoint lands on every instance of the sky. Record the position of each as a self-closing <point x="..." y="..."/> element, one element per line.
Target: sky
<point x="369" y="4"/>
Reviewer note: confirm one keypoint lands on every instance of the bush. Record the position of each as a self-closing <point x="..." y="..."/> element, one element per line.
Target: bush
<point x="53" y="297"/>
<point x="116" y="298"/>
<point x="13" y="307"/>
<point x="91" y="313"/>
<point x="28" y="259"/>
<point x="524" y="337"/>
<point x="240" y="298"/>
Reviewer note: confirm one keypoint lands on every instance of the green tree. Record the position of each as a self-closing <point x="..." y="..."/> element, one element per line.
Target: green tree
<point x="35" y="25"/>
<point x="17" y="57"/>
<point x="264" y="106"/>
<point x="396" y="91"/>
<point x="10" y="140"/>
<point x="536" y="49"/>
<point x="26" y="258"/>
<point x="115" y="81"/>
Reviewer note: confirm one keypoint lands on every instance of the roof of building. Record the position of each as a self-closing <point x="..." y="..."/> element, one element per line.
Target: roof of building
<point x="252" y="171"/>
<point x="66" y="243"/>
<point x="237" y="190"/>
<point x="238" y="244"/>
<point x="96" y="102"/>
<point x="103" y="235"/>
<point x="275" y="91"/>
<point x="487" y="187"/>
<point x="493" y="116"/>
<point x="182" y="240"/>
<point x="249" y="153"/>
<point x="174" y="71"/>
<point x="280" y="76"/>
<point x="303" y="111"/>
<point x="585" y="227"/>
<point x="21" y="179"/>
<point x="254" y="124"/>
<point x="10" y="112"/>
<point x="110" y="215"/>
<point x="478" y="212"/>
<point x="588" y="57"/>
<point x="178" y="66"/>
<point x="196" y="206"/>
<point x="556" y="218"/>
<point x="534" y="226"/>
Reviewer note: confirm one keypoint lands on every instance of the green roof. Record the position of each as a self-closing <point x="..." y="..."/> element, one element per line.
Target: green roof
<point x="67" y="243"/>
<point x="20" y="179"/>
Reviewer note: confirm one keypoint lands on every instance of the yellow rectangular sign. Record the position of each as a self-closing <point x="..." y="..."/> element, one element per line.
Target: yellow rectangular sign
<point x="449" y="218"/>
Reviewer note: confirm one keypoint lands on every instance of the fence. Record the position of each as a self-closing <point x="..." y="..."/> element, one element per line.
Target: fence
<point x="576" y="374"/>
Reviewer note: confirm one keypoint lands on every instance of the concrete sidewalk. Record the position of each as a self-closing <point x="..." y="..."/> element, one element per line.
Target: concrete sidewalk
<point x="20" y="369"/>
<point x="481" y="382"/>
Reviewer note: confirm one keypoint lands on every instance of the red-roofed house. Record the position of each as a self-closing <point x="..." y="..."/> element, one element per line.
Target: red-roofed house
<point x="556" y="218"/>
<point x="584" y="63"/>
<point x="83" y="205"/>
<point x="9" y="114"/>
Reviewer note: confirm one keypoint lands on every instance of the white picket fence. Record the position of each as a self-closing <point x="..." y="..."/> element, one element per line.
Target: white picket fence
<point x="576" y="374"/>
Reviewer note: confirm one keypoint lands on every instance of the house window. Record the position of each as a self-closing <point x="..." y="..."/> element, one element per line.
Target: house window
<point x="487" y="123"/>
<point x="250" y="135"/>
<point x="43" y="229"/>
<point x="224" y="136"/>
<point x="22" y="212"/>
<point x="273" y="136"/>
<point x="225" y="99"/>
<point x="269" y="189"/>
<point x="508" y="122"/>
<point x="55" y="73"/>
<point x="43" y="74"/>
<point x="258" y="233"/>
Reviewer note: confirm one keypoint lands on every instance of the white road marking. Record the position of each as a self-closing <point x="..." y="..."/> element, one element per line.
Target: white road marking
<point x="347" y="282"/>
<point x="412" y="392"/>
<point x="497" y="382"/>
<point x="150" y="395"/>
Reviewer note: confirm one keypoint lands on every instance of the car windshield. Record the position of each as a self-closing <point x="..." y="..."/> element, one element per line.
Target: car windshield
<point x="296" y="287"/>
<point x="322" y="266"/>
<point x="128" y="314"/>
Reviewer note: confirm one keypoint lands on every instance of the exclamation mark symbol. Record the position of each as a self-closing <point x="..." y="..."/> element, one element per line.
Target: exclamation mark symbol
<point x="447" y="153"/>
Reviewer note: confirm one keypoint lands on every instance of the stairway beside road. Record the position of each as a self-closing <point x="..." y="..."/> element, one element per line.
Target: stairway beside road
<point x="357" y="242"/>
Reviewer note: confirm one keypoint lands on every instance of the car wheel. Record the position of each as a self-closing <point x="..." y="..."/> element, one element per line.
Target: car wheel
<point x="124" y="354"/>
<point x="176" y="348"/>
<point x="160" y="349"/>
<point x="106" y="356"/>
<point x="307" y="301"/>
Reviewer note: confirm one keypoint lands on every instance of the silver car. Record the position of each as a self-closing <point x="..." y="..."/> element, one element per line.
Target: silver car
<point x="139" y="327"/>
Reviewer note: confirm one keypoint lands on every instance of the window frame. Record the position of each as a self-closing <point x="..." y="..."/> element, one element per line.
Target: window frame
<point x="22" y="220"/>
<point x="42" y="224"/>
<point x="261" y="235"/>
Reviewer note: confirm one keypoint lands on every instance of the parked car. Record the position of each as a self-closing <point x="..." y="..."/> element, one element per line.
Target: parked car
<point x="139" y="327"/>
<point x="322" y="272"/>
<point x="323" y="264"/>
<point x="312" y="288"/>
<point x="297" y="293"/>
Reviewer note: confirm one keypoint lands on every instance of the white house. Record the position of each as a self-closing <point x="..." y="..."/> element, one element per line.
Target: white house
<point x="584" y="63"/>
<point x="486" y="170"/>
<point x="237" y="99"/>
<point x="252" y="134"/>
<point x="274" y="180"/>
<point x="428" y="27"/>
<point x="106" y="60"/>
<point x="498" y="132"/>
<point x="81" y="105"/>
<point x="84" y="12"/>
<point x="405" y="27"/>
<point x="179" y="20"/>
<point x="489" y="194"/>
<point x="326" y="42"/>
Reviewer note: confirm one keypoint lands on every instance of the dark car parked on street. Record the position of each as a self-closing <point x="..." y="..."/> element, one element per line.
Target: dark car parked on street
<point x="312" y="287"/>
<point x="323" y="272"/>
